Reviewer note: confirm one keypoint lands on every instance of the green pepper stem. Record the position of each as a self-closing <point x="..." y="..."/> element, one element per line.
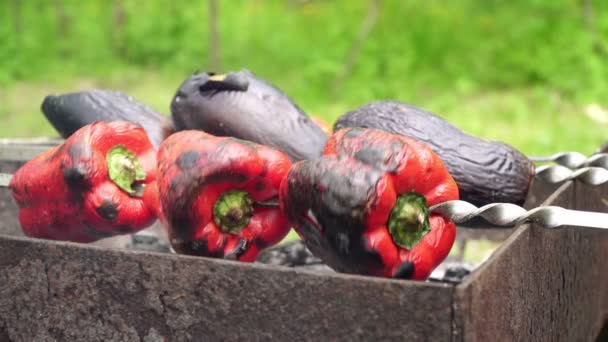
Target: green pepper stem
<point x="409" y="220"/>
<point x="232" y="211"/>
<point x="125" y="170"/>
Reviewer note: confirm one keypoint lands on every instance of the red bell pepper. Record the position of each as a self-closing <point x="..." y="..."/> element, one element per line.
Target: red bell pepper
<point x="363" y="206"/>
<point x="90" y="187"/>
<point x="211" y="192"/>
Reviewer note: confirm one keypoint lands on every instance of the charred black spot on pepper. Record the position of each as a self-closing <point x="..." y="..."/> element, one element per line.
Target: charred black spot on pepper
<point x="371" y="156"/>
<point x="174" y="184"/>
<point x="384" y="158"/>
<point x="368" y="249"/>
<point x="79" y="150"/>
<point x="353" y="133"/>
<point x="404" y="271"/>
<point x="259" y="243"/>
<point x="259" y="186"/>
<point x="225" y="177"/>
<point x="74" y="176"/>
<point x="181" y="224"/>
<point x="187" y="160"/>
<point x="107" y="210"/>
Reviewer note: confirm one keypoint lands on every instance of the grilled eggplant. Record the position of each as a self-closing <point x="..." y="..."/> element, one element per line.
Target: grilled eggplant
<point x="241" y="105"/>
<point x="71" y="111"/>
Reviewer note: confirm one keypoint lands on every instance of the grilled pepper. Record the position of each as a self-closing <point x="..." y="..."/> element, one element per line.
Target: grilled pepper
<point x="90" y="187"/>
<point x="364" y="206"/>
<point x="212" y="189"/>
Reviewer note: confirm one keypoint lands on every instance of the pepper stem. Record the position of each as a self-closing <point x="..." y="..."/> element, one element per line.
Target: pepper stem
<point x="232" y="211"/>
<point x="125" y="170"/>
<point x="409" y="220"/>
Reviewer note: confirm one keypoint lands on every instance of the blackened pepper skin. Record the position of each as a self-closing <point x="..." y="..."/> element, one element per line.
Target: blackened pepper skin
<point x="90" y="187"/>
<point x="326" y="200"/>
<point x="363" y="206"/>
<point x="211" y="189"/>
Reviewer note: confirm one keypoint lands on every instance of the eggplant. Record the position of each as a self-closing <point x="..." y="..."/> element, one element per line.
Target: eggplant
<point x="241" y="105"/>
<point x="71" y="111"/>
<point x="485" y="171"/>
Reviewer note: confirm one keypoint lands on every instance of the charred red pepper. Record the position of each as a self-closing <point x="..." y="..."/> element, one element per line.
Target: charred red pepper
<point x="363" y="206"/>
<point x="212" y="189"/>
<point x="90" y="187"/>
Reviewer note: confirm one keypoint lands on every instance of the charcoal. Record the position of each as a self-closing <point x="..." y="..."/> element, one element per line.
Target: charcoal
<point x="291" y="254"/>
<point x="452" y="272"/>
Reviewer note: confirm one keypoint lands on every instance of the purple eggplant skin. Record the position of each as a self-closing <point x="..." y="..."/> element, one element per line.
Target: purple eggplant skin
<point x="485" y="171"/>
<point x="241" y="105"/>
<point x="70" y="111"/>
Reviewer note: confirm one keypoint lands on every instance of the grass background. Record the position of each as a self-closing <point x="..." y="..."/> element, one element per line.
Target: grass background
<point x="523" y="72"/>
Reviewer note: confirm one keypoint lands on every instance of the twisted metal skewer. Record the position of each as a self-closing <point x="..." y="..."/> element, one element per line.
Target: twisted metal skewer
<point x="508" y="215"/>
<point x="558" y="174"/>
<point x="574" y="160"/>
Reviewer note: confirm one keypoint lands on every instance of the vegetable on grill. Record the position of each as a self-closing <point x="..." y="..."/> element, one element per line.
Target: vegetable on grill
<point x="213" y="189"/>
<point x="90" y="187"/>
<point x="363" y="207"/>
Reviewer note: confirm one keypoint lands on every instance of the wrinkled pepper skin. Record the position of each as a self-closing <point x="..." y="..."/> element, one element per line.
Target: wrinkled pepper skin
<point x="342" y="204"/>
<point x="196" y="170"/>
<point x="68" y="194"/>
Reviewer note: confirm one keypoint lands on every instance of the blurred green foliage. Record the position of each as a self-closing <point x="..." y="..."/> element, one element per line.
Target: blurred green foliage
<point x="494" y="68"/>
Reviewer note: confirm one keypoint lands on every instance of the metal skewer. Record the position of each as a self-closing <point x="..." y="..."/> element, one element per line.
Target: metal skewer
<point x="558" y="174"/>
<point x="574" y="160"/>
<point x="508" y="215"/>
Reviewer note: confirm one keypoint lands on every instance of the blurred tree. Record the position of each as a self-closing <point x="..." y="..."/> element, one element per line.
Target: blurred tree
<point x="590" y="23"/>
<point x="119" y="19"/>
<point x="17" y="18"/>
<point x="214" y="37"/>
<point x="355" y="50"/>
<point x="62" y="25"/>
